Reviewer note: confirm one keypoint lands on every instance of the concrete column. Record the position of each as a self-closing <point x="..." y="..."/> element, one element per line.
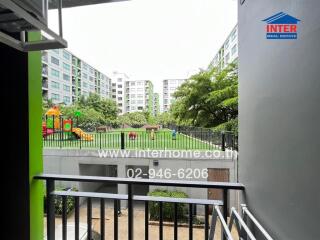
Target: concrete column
<point x="122" y="188"/>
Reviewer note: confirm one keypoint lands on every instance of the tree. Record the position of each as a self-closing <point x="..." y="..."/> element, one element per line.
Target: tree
<point x="135" y="119"/>
<point x="107" y="107"/>
<point x="208" y="99"/>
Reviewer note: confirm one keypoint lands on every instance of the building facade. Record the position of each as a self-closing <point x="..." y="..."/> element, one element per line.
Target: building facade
<point x="118" y="90"/>
<point x="65" y="78"/>
<point x="228" y="52"/>
<point x="156" y="104"/>
<point x="139" y="96"/>
<point x="169" y="88"/>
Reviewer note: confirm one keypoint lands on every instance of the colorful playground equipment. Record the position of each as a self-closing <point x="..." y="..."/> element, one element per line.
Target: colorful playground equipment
<point x="54" y="123"/>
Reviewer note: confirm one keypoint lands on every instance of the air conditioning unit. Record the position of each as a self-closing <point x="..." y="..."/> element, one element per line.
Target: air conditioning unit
<point x="17" y="17"/>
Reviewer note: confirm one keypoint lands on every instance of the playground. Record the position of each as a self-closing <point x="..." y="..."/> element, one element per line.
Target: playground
<point x="64" y="133"/>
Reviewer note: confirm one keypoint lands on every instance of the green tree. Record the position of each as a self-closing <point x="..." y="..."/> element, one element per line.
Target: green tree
<point x="208" y="99"/>
<point x="107" y="107"/>
<point x="135" y="119"/>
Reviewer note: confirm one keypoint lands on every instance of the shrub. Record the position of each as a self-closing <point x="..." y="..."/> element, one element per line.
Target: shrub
<point x="168" y="208"/>
<point x="58" y="202"/>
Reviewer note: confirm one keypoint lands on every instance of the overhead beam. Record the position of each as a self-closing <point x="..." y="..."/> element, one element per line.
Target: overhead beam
<point x="78" y="3"/>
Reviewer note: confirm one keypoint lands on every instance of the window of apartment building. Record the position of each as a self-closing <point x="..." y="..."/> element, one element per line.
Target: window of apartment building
<point x="85" y="66"/>
<point x="91" y="78"/>
<point x="55" y="96"/>
<point x="55" y="51"/>
<point x="66" y="99"/>
<point x="139" y="83"/>
<point x="66" y="66"/>
<point x="55" y="85"/>
<point x="234" y="50"/>
<point x="91" y="70"/>
<point x="55" y="73"/>
<point x="226" y="44"/>
<point x="55" y="61"/>
<point x="85" y="85"/>
<point x="173" y="88"/>
<point x="132" y="83"/>
<point x="114" y="90"/>
<point x="133" y="101"/>
<point x="165" y="101"/>
<point x="66" y="88"/>
<point x="85" y="76"/>
<point x="85" y="93"/>
<point x="91" y="87"/>
<point x="227" y="58"/>
<point x="140" y="108"/>
<point x="234" y="34"/>
<point x="140" y="102"/>
<point x="132" y="95"/>
<point x="119" y="92"/>
<point x="66" y="55"/>
<point x="133" y="108"/>
<point x="66" y="77"/>
<point x="119" y="80"/>
<point x="140" y="89"/>
<point x="140" y="96"/>
<point x="119" y="85"/>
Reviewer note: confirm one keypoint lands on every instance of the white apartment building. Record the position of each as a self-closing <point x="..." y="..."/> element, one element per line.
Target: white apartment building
<point x="228" y="52"/>
<point x="118" y="90"/>
<point x="139" y="96"/>
<point x="65" y="78"/>
<point x="169" y="88"/>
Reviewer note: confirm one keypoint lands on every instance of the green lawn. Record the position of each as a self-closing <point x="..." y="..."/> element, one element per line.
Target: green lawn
<point x="112" y="140"/>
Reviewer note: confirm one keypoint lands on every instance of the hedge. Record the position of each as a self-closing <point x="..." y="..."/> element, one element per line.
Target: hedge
<point x="168" y="208"/>
<point x="58" y="202"/>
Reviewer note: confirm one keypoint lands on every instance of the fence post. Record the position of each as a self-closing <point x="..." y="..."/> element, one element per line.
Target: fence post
<point x="100" y="140"/>
<point x="122" y="141"/>
<point x="50" y="210"/>
<point x="223" y="141"/>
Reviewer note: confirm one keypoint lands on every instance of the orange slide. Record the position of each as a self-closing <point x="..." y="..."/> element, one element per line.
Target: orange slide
<point x="85" y="136"/>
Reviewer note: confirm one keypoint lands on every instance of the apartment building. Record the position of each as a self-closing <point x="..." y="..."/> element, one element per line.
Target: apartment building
<point x="169" y="88"/>
<point x="118" y="90"/>
<point x="156" y="104"/>
<point x="228" y="52"/>
<point x="66" y="77"/>
<point x="139" y="96"/>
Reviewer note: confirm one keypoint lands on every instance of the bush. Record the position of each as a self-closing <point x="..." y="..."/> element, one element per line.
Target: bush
<point x="168" y="208"/>
<point x="58" y="202"/>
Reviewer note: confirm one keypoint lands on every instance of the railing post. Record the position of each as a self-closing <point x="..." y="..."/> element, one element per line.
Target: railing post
<point x="122" y="140"/>
<point x="225" y="210"/>
<point x="130" y="213"/>
<point x="100" y="140"/>
<point x="223" y="141"/>
<point x="50" y="211"/>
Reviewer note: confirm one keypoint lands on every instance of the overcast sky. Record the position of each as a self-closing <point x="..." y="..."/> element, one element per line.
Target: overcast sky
<point x="149" y="39"/>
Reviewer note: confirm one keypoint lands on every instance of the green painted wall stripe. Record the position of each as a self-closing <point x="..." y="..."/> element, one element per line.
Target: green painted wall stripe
<point x="35" y="141"/>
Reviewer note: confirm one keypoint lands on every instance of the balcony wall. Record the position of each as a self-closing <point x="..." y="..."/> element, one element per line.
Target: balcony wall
<point x="279" y="119"/>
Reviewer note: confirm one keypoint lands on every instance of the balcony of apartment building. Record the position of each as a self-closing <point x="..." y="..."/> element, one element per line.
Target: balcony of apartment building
<point x="44" y="56"/>
<point x="44" y="69"/>
<point x="45" y="82"/>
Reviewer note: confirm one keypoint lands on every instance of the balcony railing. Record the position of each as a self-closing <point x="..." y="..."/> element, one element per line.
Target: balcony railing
<point x="220" y="208"/>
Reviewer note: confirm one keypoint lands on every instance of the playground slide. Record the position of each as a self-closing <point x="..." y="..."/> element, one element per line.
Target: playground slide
<point x="85" y="136"/>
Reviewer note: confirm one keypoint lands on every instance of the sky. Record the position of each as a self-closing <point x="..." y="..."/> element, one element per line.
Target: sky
<point x="149" y="39"/>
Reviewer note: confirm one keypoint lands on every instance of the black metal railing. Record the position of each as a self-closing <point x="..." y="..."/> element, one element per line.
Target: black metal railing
<point x="220" y="207"/>
<point x="175" y="138"/>
<point x="223" y="139"/>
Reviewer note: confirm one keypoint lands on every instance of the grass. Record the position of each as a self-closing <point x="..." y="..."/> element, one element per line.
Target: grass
<point x="112" y="140"/>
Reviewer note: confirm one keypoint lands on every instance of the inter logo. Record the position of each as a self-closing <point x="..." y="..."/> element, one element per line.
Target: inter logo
<point x="282" y="26"/>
